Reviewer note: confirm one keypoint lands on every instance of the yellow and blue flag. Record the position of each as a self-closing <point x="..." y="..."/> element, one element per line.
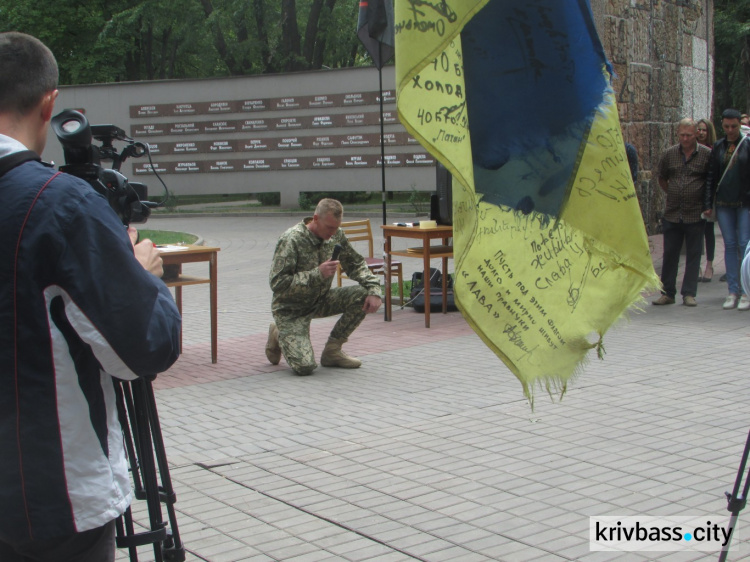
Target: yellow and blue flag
<point x="514" y="98"/>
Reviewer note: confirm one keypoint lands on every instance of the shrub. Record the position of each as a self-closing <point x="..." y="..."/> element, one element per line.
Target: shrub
<point x="269" y="198"/>
<point x="305" y="202"/>
<point x="419" y="201"/>
<point x="171" y="202"/>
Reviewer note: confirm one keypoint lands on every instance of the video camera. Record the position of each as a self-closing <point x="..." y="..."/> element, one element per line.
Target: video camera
<point x="83" y="159"/>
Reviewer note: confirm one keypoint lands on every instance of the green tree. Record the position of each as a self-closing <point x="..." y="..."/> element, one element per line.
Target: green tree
<point x="69" y="29"/>
<point x="130" y="40"/>
<point x="732" y="55"/>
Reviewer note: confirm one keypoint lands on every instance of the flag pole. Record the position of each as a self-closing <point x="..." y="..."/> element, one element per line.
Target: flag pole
<point x="387" y="261"/>
<point x="382" y="140"/>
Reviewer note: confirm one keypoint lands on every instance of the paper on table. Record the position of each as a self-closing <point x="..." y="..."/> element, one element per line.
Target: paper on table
<point x="170" y="248"/>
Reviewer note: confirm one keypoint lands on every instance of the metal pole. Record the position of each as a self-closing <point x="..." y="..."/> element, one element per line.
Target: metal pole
<point x="382" y="140"/>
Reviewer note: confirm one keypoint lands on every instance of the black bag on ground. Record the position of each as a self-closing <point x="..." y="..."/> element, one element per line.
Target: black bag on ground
<point x="416" y="297"/>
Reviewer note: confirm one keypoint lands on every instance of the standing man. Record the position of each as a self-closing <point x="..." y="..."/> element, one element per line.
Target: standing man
<point x="728" y="187"/>
<point x="301" y="278"/>
<point x="78" y="307"/>
<point x="682" y="176"/>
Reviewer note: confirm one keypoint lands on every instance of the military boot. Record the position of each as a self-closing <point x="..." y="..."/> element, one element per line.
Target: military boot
<point x="273" y="350"/>
<point x="334" y="356"/>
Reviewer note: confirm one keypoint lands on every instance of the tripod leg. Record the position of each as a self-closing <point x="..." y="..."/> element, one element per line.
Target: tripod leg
<point x="139" y="419"/>
<point x="126" y="531"/>
<point x="125" y="408"/>
<point x="736" y="502"/>
<point x="176" y="550"/>
<point x="148" y="467"/>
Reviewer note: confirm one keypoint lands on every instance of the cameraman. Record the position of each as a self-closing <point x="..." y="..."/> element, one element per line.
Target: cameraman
<point x="77" y="307"/>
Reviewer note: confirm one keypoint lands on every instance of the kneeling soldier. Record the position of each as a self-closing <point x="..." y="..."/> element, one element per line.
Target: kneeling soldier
<point x="301" y="278"/>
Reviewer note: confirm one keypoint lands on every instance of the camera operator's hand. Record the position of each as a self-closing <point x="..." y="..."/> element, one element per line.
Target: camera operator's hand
<point x="146" y="253"/>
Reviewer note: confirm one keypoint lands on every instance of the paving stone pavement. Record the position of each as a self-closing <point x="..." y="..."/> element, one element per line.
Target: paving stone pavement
<point x="429" y="451"/>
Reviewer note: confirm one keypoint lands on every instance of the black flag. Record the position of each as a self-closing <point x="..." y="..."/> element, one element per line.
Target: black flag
<point x="375" y="29"/>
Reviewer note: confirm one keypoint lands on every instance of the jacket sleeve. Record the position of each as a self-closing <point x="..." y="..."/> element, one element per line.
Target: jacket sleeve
<point x="126" y="314"/>
<point x="712" y="178"/>
<point x="356" y="268"/>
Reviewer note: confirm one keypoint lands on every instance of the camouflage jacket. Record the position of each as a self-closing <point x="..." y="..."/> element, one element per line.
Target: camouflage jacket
<point x="295" y="279"/>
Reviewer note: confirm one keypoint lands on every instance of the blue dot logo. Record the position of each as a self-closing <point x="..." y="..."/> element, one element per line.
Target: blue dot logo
<point x="688" y="536"/>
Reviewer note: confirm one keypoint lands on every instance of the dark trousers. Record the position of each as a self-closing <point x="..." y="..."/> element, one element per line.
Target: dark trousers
<point x="96" y="545"/>
<point x="710" y="241"/>
<point x="674" y="235"/>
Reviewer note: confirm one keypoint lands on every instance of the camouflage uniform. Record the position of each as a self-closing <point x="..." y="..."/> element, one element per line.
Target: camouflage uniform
<point x="300" y="293"/>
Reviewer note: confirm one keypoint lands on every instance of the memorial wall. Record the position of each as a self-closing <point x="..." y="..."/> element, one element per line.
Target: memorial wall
<point x="307" y="131"/>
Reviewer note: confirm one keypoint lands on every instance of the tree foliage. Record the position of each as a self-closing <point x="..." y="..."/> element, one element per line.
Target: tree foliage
<point x="732" y="55"/>
<point x="129" y="40"/>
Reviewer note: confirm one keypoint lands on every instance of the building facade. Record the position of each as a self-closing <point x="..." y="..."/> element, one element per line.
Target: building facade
<point x="662" y="52"/>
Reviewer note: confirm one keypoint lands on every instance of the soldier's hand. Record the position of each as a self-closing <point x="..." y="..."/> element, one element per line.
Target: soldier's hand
<point x="328" y="268"/>
<point x="372" y="304"/>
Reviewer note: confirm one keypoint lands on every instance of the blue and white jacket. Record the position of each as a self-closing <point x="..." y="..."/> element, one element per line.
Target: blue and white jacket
<point x="76" y="309"/>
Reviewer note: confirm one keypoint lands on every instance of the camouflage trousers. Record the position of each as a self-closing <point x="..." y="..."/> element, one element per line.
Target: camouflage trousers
<point x="294" y="329"/>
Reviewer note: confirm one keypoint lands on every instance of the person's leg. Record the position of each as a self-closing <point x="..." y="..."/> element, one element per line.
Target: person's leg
<point x="95" y="545"/>
<point x="9" y="554"/>
<point x="728" y="225"/>
<point x="693" y="242"/>
<point x="273" y="348"/>
<point x="710" y="250"/>
<point x="671" y="257"/>
<point x="348" y="301"/>
<point x="294" y="340"/>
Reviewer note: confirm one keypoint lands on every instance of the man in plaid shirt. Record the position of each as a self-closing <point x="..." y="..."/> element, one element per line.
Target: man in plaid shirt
<point x="682" y="175"/>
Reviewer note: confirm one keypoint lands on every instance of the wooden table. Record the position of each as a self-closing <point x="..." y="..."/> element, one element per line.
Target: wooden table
<point x="426" y="252"/>
<point x="176" y="256"/>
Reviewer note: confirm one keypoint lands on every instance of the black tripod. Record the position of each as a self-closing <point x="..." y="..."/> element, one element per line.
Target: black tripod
<point x="735" y="501"/>
<point x="136" y="407"/>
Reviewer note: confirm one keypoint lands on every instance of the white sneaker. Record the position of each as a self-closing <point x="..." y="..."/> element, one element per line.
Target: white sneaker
<point x="744" y="303"/>
<point x="730" y="302"/>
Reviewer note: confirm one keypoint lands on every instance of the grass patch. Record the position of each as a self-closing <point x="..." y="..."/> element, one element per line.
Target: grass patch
<point x="167" y="236"/>
<point x="394" y="289"/>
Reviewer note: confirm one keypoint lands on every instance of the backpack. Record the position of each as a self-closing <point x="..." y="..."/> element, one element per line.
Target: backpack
<point x="416" y="297"/>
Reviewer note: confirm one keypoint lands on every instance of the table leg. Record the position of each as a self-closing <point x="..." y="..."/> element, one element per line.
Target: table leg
<point x="445" y="286"/>
<point x="426" y="280"/>
<point x="213" y="275"/>
<point x="445" y="280"/>
<point x="387" y="271"/>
